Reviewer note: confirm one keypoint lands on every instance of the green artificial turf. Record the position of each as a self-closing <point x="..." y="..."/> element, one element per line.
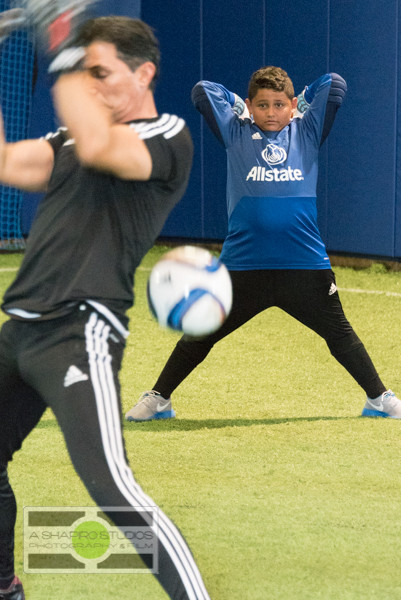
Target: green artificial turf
<point x="282" y="491"/>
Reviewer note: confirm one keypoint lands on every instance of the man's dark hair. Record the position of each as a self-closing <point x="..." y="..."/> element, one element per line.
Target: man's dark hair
<point x="134" y="40"/>
<point x="272" y="78"/>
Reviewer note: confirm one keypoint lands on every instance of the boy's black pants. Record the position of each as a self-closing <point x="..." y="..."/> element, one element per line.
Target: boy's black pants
<point x="310" y="296"/>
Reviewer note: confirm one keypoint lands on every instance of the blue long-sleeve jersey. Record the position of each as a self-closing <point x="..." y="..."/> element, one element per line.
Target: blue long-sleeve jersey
<point x="271" y="179"/>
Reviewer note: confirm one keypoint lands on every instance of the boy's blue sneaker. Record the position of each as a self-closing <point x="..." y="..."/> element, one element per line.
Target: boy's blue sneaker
<point x="151" y="405"/>
<point x="386" y="405"/>
<point x="14" y="592"/>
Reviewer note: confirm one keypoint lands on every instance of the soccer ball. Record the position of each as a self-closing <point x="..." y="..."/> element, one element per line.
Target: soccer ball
<point x="190" y="290"/>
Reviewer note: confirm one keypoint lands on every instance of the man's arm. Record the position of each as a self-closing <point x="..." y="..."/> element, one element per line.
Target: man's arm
<point x="100" y="143"/>
<point x="26" y="165"/>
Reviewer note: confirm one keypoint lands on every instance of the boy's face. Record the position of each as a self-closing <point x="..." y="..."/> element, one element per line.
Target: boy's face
<point x="271" y="110"/>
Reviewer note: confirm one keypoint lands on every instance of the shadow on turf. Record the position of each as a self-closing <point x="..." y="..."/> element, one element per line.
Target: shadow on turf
<point x="193" y="424"/>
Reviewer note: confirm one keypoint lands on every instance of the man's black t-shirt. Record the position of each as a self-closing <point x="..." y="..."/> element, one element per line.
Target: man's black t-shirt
<point x="92" y="229"/>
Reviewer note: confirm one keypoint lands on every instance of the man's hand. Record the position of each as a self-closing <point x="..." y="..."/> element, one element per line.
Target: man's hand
<point x="55" y="24"/>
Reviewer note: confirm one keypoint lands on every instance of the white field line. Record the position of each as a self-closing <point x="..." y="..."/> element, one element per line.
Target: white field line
<point x="340" y="289"/>
<point x="377" y="292"/>
<point x="12" y="269"/>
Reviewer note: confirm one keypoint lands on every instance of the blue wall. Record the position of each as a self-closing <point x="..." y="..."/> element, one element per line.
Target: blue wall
<point x="360" y="169"/>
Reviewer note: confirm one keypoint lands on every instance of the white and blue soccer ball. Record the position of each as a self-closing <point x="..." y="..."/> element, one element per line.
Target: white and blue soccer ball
<point x="189" y="290"/>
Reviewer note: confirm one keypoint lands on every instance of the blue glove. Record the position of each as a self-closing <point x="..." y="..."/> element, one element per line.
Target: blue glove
<point x="302" y="105"/>
<point x="240" y="108"/>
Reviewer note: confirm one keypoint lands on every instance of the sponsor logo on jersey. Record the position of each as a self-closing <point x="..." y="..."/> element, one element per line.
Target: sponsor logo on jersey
<point x="274" y="155"/>
<point x="256" y="136"/>
<point x="264" y="174"/>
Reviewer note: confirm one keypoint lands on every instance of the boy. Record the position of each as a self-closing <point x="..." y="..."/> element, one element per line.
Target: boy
<point x="273" y="249"/>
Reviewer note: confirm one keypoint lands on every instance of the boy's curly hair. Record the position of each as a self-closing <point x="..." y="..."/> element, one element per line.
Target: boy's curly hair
<point x="272" y="78"/>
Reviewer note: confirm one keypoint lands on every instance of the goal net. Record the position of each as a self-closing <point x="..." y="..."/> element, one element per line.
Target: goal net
<point x="16" y="80"/>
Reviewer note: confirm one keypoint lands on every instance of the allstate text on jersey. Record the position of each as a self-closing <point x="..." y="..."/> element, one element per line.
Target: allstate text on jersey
<point x="263" y="174"/>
